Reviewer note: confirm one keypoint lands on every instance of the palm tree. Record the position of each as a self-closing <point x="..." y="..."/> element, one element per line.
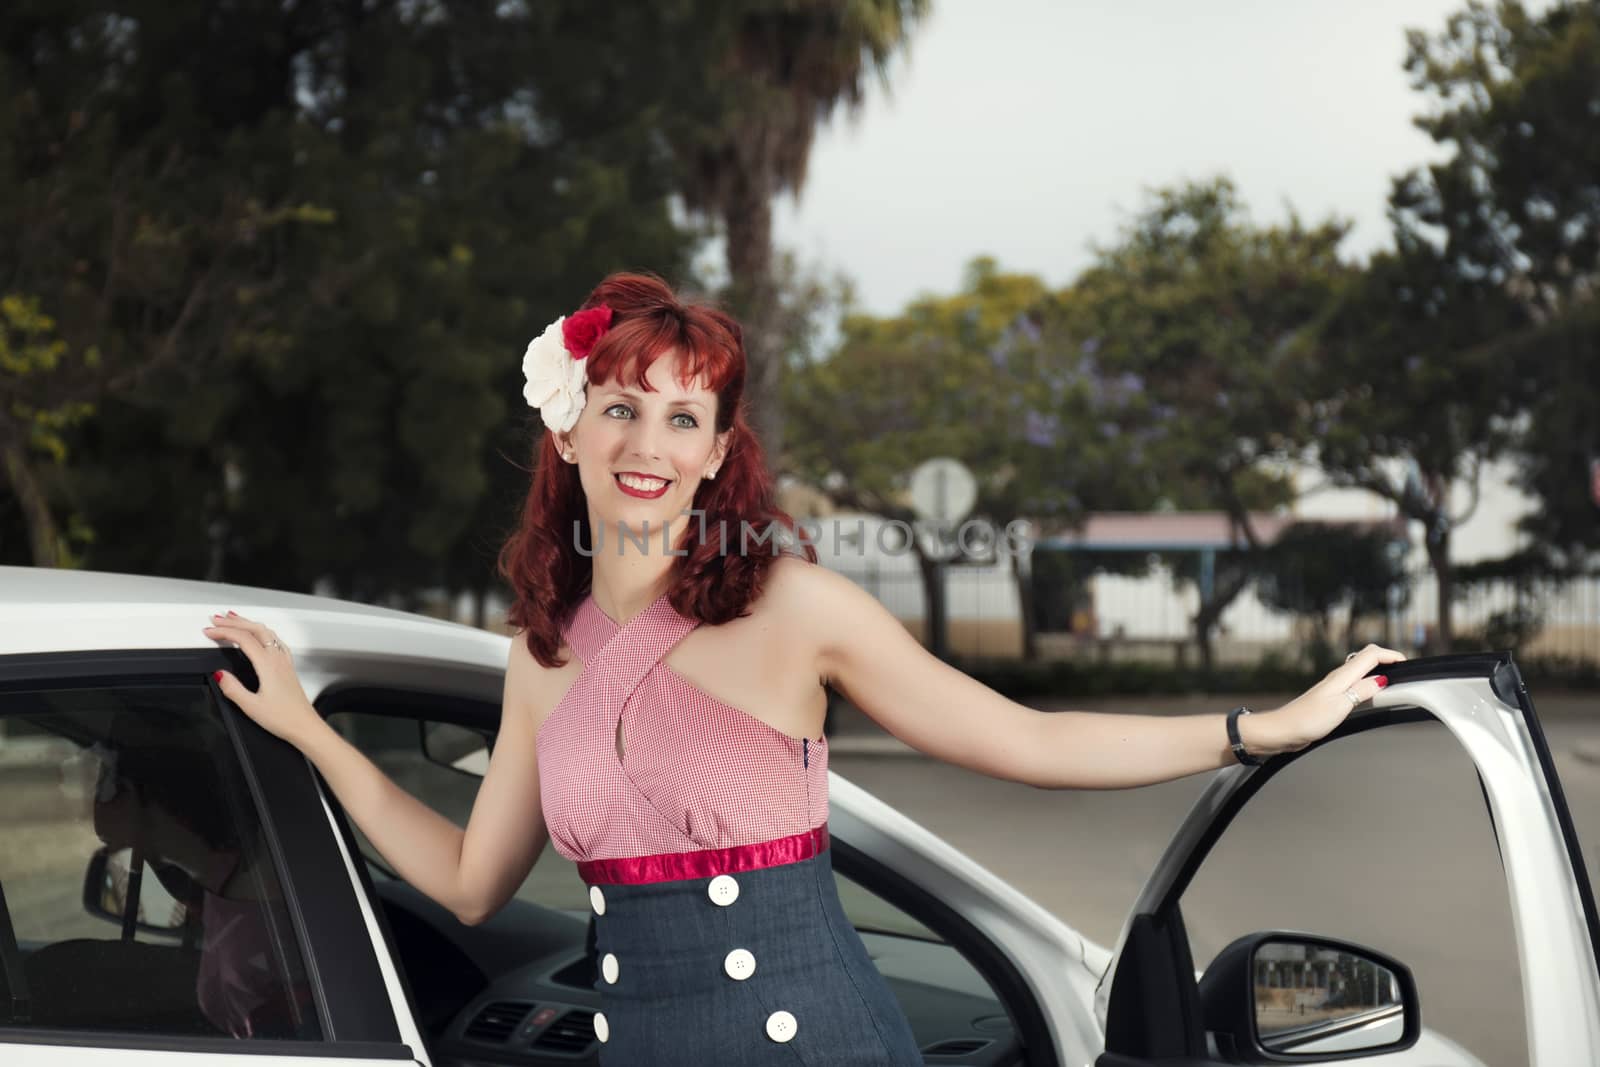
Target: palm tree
<point x="787" y="66"/>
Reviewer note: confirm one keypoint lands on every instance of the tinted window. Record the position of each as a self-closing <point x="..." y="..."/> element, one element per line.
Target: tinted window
<point x="136" y="877"/>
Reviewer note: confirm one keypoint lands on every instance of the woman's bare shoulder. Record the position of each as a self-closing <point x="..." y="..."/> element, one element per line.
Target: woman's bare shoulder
<point x="821" y="610"/>
<point x="790" y="583"/>
<point x="802" y="599"/>
<point x="532" y="686"/>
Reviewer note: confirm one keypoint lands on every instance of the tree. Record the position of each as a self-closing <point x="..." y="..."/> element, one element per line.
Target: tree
<point x="1558" y="438"/>
<point x="1475" y="337"/>
<point x="1201" y="314"/>
<point x="1313" y="569"/>
<point x="1514" y="96"/>
<point x="29" y="346"/>
<point x="1407" y="400"/>
<point x="306" y="244"/>
<point x="127" y="222"/>
<point x="987" y="376"/>
<point x="1514" y="213"/>
<point x="781" y="68"/>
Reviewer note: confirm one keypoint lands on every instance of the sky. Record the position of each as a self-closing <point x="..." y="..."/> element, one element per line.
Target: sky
<point x="1030" y="129"/>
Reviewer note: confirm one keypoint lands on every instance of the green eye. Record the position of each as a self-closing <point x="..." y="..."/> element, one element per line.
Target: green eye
<point x="692" y="421"/>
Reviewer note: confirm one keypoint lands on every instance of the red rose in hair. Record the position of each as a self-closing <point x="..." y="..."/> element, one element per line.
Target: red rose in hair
<point x="582" y="330"/>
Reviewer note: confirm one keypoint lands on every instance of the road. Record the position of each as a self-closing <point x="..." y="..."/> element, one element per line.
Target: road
<point x="1382" y="839"/>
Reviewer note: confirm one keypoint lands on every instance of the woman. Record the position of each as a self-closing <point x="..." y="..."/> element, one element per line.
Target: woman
<point x="664" y="699"/>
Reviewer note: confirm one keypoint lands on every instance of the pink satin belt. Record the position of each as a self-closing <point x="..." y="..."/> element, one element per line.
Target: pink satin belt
<point x="707" y="863"/>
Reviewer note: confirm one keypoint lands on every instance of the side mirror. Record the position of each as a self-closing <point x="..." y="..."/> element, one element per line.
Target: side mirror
<point x="112" y="878"/>
<point x="459" y="748"/>
<point x="1277" y="997"/>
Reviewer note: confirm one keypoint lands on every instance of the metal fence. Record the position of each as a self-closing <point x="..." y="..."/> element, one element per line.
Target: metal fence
<point x="1152" y="616"/>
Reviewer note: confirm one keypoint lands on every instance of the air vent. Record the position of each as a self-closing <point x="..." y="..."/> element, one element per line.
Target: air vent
<point x="960" y="1046"/>
<point x="497" y="1022"/>
<point x="573" y="1032"/>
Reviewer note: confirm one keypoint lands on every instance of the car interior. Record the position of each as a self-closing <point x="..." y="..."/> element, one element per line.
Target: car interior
<point x="520" y="987"/>
<point x="117" y="783"/>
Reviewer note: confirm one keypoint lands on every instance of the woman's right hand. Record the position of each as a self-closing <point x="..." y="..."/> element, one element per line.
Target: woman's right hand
<point x="279" y="704"/>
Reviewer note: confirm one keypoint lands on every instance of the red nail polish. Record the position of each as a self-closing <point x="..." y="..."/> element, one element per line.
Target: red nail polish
<point x="1382" y="680"/>
<point x="230" y="611"/>
<point x="216" y="676"/>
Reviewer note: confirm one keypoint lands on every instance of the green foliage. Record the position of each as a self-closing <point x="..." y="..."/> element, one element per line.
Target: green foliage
<point x="1511" y="216"/>
<point x="981" y="376"/>
<point x="1061" y="580"/>
<point x="1194" y="322"/>
<point x="1559" y="437"/>
<point x="1514" y="95"/>
<point x="27" y="341"/>
<point x="1158" y="379"/>
<point x="30" y="347"/>
<point x="774" y="71"/>
<point x="308" y="243"/>
<point x="1199" y="310"/>
<point x="1512" y="628"/>
<point x="780" y="68"/>
<point x="1313" y="569"/>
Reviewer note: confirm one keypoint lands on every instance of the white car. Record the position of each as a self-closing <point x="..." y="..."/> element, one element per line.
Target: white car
<point x="176" y="885"/>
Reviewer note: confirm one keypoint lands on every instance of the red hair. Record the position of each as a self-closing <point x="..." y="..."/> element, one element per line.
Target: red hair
<point x="712" y="583"/>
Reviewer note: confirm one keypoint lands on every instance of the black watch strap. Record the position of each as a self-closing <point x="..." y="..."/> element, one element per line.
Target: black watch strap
<point x="1237" y="742"/>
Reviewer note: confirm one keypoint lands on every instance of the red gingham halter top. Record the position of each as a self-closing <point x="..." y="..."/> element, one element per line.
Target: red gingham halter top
<point x="695" y="773"/>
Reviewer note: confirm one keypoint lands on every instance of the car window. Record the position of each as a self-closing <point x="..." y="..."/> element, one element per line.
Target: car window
<point x="867" y="911"/>
<point x="1381" y="838"/>
<point x="135" y="873"/>
<point x="433" y="763"/>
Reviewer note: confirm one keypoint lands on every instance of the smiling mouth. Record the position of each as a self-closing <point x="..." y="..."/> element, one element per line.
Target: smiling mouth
<point x="638" y="486"/>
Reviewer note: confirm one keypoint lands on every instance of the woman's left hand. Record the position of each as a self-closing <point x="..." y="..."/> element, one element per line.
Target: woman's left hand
<point x="1315" y="713"/>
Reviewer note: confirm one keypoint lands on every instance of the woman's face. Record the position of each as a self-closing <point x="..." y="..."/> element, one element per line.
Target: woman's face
<point x="641" y="454"/>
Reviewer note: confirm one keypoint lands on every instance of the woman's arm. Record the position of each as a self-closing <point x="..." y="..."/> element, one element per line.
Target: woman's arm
<point x="471" y="871"/>
<point x="864" y="652"/>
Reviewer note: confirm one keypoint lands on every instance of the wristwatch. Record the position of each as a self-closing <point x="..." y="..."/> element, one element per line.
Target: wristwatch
<point x="1237" y="742"/>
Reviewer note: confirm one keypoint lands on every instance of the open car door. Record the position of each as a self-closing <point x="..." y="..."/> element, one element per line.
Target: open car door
<point x="1276" y="995"/>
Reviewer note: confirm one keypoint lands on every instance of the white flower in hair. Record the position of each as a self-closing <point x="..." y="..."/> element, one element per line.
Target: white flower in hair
<point x="555" y="380"/>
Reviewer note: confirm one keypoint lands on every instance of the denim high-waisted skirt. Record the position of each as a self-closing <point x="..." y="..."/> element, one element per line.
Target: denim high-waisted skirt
<point x="744" y="967"/>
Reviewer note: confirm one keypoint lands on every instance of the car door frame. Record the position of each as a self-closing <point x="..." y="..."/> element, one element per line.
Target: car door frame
<point x="1483" y="701"/>
<point x="362" y="1013"/>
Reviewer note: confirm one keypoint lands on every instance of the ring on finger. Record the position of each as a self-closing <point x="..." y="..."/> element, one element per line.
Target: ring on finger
<point x="273" y="642"/>
<point x="1354" y="698"/>
<point x="1351" y="656"/>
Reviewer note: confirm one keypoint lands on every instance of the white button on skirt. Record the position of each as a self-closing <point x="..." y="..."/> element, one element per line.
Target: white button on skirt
<point x="781" y="1026"/>
<point x="740" y="964"/>
<point x="602" y="1029"/>
<point x="723" y="890"/>
<point x="597" y="900"/>
<point x="709" y="983"/>
<point x="608" y="969"/>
